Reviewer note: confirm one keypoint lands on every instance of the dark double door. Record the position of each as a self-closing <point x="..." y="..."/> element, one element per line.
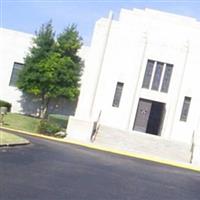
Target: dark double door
<point x="149" y="117"/>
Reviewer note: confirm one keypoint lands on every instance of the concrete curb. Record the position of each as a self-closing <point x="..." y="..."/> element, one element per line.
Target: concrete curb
<point x="25" y="142"/>
<point x="114" y="151"/>
<point x="14" y="144"/>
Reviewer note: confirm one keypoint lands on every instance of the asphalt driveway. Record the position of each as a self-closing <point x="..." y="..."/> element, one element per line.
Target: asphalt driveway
<point x="48" y="170"/>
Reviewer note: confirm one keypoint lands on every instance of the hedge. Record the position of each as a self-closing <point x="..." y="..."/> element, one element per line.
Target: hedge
<point x="5" y="104"/>
<point x="60" y="120"/>
<point x="45" y="127"/>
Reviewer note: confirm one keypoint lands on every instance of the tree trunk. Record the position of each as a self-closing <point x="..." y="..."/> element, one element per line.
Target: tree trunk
<point x="44" y="107"/>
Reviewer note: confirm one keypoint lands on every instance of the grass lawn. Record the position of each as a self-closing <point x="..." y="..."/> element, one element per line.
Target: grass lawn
<point x="10" y="139"/>
<point x="21" y="122"/>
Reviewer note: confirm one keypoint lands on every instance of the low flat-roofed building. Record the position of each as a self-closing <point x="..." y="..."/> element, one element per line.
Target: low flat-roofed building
<point x="14" y="46"/>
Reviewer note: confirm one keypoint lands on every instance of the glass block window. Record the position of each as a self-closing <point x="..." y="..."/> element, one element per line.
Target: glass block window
<point x="185" y="109"/>
<point x="167" y="78"/>
<point x="118" y="94"/>
<point x="157" y="76"/>
<point x="148" y="74"/>
<point x="17" y="67"/>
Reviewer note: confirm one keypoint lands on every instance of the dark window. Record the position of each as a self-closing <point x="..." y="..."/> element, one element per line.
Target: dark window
<point x="148" y="74"/>
<point x="154" y="81"/>
<point x="167" y="78"/>
<point x="118" y="94"/>
<point x="157" y="76"/>
<point x="17" y="67"/>
<point x="185" y="109"/>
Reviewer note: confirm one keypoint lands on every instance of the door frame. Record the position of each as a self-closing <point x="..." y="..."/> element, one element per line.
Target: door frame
<point x="161" y="118"/>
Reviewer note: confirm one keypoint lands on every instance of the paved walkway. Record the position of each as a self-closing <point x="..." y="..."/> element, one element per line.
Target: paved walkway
<point x="145" y="144"/>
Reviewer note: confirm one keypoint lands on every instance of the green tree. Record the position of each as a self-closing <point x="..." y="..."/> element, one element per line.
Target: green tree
<point x="69" y="42"/>
<point x="70" y="67"/>
<point x="50" y="71"/>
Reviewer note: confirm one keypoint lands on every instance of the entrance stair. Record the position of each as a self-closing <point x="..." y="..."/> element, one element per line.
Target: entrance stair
<point x="142" y="143"/>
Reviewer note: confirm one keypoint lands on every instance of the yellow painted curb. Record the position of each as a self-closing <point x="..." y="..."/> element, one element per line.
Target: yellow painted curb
<point x="115" y="151"/>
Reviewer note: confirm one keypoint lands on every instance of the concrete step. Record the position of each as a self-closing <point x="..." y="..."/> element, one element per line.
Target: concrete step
<point x="142" y="143"/>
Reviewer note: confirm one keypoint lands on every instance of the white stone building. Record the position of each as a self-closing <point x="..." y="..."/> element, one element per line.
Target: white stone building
<point x="14" y="46"/>
<point x="142" y="75"/>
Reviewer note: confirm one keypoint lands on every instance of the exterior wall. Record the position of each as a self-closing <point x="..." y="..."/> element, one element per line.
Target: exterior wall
<point x="119" y="53"/>
<point x="92" y="70"/>
<point x="13" y="48"/>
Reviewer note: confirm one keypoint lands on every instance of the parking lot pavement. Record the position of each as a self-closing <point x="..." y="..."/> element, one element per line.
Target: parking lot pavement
<point x="48" y="170"/>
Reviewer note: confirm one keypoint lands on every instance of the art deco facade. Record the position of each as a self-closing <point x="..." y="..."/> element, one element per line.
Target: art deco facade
<point x="142" y="75"/>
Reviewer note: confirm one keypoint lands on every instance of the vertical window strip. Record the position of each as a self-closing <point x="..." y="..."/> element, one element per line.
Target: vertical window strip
<point x="148" y="74"/>
<point x="157" y="76"/>
<point x="162" y="76"/>
<point x="185" y="109"/>
<point x="167" y="78"/>
<point x="17" y="67"/>
<point x="118" y="94"/>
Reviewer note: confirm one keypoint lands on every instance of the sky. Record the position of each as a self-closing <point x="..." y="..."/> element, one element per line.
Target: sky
<point x="28" y="15"/>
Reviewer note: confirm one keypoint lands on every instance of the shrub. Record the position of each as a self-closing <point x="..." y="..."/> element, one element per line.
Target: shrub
<point x="48" y="128"/>
<point x="60" y="120"/>
<point x="5" y="104"/>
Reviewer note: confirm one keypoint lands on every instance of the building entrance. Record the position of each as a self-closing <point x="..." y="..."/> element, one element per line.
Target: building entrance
<point x="149" y="117"/>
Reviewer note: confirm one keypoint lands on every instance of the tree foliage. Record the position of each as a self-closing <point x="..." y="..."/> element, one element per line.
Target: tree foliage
<point x="52" y="68"/>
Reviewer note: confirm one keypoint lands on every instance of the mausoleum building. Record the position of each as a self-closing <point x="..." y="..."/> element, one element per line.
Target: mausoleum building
<point x="142" y="75"/>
